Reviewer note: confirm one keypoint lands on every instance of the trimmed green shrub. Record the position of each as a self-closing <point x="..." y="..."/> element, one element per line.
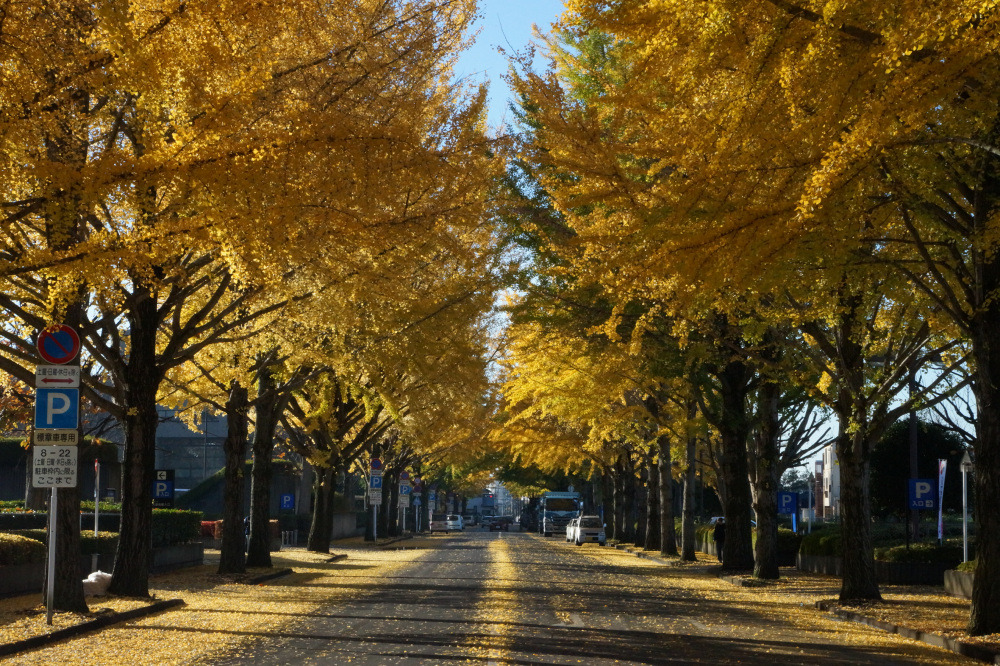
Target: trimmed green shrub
<point x="967" y="567"/>
<point x="106" y="507"/>
<point x="103" y="543"/>
<point x="822" y="543"/>
<point x="171" y="526"/>
<point x="22" y="520"/>
<point x="11" y="504"/>
<point x="927" y="553"/>
<point x="16" y="549"/>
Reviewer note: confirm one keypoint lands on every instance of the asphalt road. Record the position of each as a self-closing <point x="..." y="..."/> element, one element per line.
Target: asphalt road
<point x="510" y="598"/>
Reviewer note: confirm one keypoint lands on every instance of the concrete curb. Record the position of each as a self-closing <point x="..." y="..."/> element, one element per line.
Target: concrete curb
<point x="392" y="541"/>
<point x="971" y="650"/>
<point x="69" y="632"/>
<point x="670" y="562"/>
<point x="269" y="576"/>
<point x="740" y="581"/>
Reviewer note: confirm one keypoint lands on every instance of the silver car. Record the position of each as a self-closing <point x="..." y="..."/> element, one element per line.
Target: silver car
<point x="589" y="529"/>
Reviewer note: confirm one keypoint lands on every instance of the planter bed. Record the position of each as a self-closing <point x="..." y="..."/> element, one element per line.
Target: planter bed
<point x="958" y="583"/>
<point x="895" y="573"/>
<point x="28" y="578"/>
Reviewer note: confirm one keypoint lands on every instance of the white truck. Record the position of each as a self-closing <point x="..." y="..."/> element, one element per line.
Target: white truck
<point x="555" y="510"/>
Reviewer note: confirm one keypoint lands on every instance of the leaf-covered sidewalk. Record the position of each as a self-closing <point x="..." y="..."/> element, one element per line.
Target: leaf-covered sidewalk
<point x="924" y="608"/>
<point x="217" y="615"/>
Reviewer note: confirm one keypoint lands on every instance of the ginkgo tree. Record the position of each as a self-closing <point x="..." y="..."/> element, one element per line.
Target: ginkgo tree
<point x="755" y="146"/>
<point x="143" y="139"/>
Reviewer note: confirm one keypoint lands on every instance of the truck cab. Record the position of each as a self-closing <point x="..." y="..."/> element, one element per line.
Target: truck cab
<point x="555" y="510"/>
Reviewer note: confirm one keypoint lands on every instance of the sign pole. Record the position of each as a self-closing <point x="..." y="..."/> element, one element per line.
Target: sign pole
<point x="50" y="583"/>
<point x="97" y="492"/>
<point x="965" y="515"/>
<point x="375" y="522"/>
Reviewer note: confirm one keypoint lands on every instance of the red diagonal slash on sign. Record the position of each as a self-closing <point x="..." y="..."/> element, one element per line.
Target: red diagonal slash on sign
<point x="57" y="381"/>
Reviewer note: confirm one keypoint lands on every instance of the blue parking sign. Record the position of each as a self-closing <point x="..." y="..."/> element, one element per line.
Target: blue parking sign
<point x="788" y="503"/>
<point x="376" y="482"/>
<point x="57" y="409"/>
<point x="923" y="494"/>
<point x="288" y="501"/>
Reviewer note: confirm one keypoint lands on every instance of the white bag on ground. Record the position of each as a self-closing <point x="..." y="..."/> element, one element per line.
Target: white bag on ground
<point x="96" y="584"/>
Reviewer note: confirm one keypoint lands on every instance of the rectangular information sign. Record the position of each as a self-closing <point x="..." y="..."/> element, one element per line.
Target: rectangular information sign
<point x="404" y="501"/>
<point x="375" y="496"/>
<point x="57" y="376"/>
<point x="56" y="437"/>
<point x="53" y="466"/>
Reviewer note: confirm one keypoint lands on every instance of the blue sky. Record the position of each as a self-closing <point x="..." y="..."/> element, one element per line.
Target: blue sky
<point x="505" y="23"/>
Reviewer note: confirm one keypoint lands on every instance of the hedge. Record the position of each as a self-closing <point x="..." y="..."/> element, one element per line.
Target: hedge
<point x="103" y="543"/>
<point x="921" y="552"/>
<point x="22" y="520"/>
<point x="172" y="526"/>
<point x="828" y="542"/>
<point x="967" y="567"/>
<point x="16" y="549"/>
<point x="11" y="504"/>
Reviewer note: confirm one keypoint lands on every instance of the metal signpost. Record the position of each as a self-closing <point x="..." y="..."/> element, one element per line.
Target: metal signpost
<point x="57" y="412"/>
<point x="375" y="493"/>
<point x="404" y="499"/>
<point x="967" y="467"/>
<point x="942" y="467"/>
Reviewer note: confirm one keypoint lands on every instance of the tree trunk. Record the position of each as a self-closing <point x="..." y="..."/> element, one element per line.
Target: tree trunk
<point x="859" y="580"/>
<point x="733" y="428"/>
<point x="655" y="518"/>
<point x="664" y="469"/>
<point x="631" y="516"/>
<point x="688" y="511"/>
<point x="620" y="512"/>
<point x="68" y="589"/>
<point x="766" y="478"/>
<point x="853" y="447"/>
<point x="985" y="616"/>
<point x="232" y="558"/>
<point x="641" y="492"/>
<point x="319" y="541"/>
<point x="133" y="557"/>
<point x="267" y="411"/>
<point x="608" y="501"/>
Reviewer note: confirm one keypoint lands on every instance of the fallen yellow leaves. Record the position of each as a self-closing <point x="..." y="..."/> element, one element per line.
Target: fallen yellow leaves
<point x="218" y="616"/>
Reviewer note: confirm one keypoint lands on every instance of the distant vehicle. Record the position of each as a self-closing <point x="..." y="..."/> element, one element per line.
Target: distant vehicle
<point x="589" y="529"/>
<point x="445" y="522"/>
<point x="499" y="523"/>
<point x="469" y="520"/>
<point x="556" y="509"/>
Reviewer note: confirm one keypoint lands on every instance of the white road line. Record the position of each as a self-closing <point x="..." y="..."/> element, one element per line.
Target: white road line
<point x="698" y="625"/>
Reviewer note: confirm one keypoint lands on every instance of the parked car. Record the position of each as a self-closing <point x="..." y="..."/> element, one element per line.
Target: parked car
<point x="588" y="529"/>
<point x="446" y="522"/>
<point x="469" y="521"/>
<point x="571" y="529"/>
<point x="499" y="523"/>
